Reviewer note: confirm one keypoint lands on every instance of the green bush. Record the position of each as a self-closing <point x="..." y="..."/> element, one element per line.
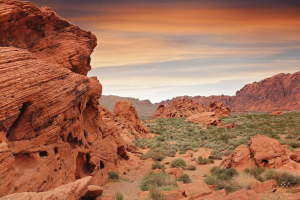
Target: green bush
<point x="119" y="196"/>
<point x="256" y="172"/>
<point x="113" y="175"/>
<point x="204" y="161"/>
<point x="158" y="179"/>
<point x="185" y="178"/>
<point x="293" y="143"/>
<point x="157" y="165"/>
<point x="155" y="193"/>
<point x="190" y="167"/>
<point x="179" y="162"/>
<point x="283" y="178"/>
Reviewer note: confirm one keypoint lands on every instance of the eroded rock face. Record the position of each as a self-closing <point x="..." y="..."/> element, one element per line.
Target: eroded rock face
<point x="179" y="108"/>
<point x="296" y="156"/>
<point x="75" y="190"/>
<point x="264" y="152"/>
<point x="127" y="115"/>
<point x="206" y="118"/>
<point x="240" y="160"/>
<point x="51" y="129"/>
<point x="46" y="35"/>
<point x="219" y="109"/>
<point x="268" y="152"/>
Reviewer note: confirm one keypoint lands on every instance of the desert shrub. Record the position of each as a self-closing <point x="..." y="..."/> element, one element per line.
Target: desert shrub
<point x="185" y="178"/>
<point x="204" y="161"/>
<point x="119" y="196"/>
<point x="113" y="175"/>
<point x="283" y="178"/>
<point x="155" y="193"/>
<point x="291" y="148"/>
<point x="215" y="157"/>
<point x="158" y="179"/>
<point x="222" y="178"/>
<point x="157" y="165"/>
<point x="244" y="181"/>
<point x="293" y="143"/>
<point x="179" y="162"/>
<point x="256" y="172"/>
<point x="155" y="155"/>
<point x="190" y="167"/>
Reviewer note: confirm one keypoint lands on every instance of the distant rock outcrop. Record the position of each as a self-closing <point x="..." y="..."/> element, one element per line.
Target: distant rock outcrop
<point x="179" y="108"/>
<point x="127" y="115"/>
<point x="51" y="129"/>
<point x="279" y="92"/>
<point x="264" y="152"/>
<point x="206" y="118"/>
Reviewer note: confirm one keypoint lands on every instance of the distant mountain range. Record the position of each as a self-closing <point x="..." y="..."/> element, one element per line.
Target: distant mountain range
<point x="279" y="92"/>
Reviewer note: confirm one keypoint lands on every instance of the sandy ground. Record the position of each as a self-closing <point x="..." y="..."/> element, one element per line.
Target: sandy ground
<point x="129" y="184"/>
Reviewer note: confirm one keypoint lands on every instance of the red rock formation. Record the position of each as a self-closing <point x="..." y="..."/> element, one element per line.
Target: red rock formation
<point x="267" y="186"/>
<point x="207" y="118"/>
<point x="179" y="108"/>
<point x="243" y="194"/>
<point x="279" y="92"/>
<point x="296" y="156"/>
<point x="219" y="109"/>
<point x="51" y="129"/>
<point x="75" y="190"/>
<point x="266" y="152"/>
<point x="46" y="35"/>
<point x="278" y="113"/>
<point x="240" y="160"/>
<point x="127" y="115"/>
<point x="230" y="126"/>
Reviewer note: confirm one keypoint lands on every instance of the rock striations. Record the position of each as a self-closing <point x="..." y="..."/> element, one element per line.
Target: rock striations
<point x="51" y="129"/>
<point x="279" y="92"/>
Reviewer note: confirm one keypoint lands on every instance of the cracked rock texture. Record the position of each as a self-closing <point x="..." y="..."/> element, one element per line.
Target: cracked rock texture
<point x="51" y="129"/>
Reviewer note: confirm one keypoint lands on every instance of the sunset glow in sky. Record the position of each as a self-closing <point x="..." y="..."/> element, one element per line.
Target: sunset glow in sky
<point x="157" y="50"/>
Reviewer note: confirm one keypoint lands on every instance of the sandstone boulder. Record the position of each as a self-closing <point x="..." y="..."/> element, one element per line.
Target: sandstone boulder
<point x="268" y="152"/>
<point x="229" y="126"/>
<point x="267" y="186"/>
<point x="207" y="118"/>
<point x="75" y="190"/>
<point x="196" y="189"/>
<point x="175" y="172"/>
<point x="277" y="113"/>
<point x="296" y="156"/>
<point x="243" y="194"/>
<point x="240" y="160"/>
<point x="127" y="115"/>
<point x="219" y="109"/>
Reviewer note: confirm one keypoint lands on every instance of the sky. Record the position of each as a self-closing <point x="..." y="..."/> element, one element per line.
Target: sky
<point x="160" y="49"/>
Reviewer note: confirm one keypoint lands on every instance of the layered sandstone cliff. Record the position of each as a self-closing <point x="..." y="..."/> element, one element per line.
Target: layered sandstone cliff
<point x="279" y="92"/>
<point x="51" y="129"/>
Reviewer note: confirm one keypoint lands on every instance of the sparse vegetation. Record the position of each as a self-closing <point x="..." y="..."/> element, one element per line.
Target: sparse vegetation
<point x="112" y="175"/>
<point x="157" y="165"/>
<point x="185" y="178"/>
<point x="179" y="162"/>
<point x="161" y="180"/>
<point x="204" y="161"/>
<point x="119" y="196"/>
<point x="282" y="177"/>
<point x="190" y="167"/>
<point x="155" y="193"/>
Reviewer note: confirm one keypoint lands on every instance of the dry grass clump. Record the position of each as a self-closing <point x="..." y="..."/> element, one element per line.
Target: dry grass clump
<point x="244" y="181"/>
<point x="283" y="178"/>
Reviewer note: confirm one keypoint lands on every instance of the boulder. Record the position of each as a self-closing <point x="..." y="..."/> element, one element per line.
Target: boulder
<point x="296" y="156"/>
<point x="268" y="152"/>
<point x="196" y="189"/>
<point x="126" y="113"/>
<point x="172" y="195"/>
<point x="175" y="172"/>
<point x="243" y="194"/>
<point x="74" y="190"/>
<point x="240" y="160"/>
<point x="277" y="113"/>
<point x="207" y="118"/>
<point x="219" y="109"/>
<point x="229" y="126"/>
<point x="267" y="186"/>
